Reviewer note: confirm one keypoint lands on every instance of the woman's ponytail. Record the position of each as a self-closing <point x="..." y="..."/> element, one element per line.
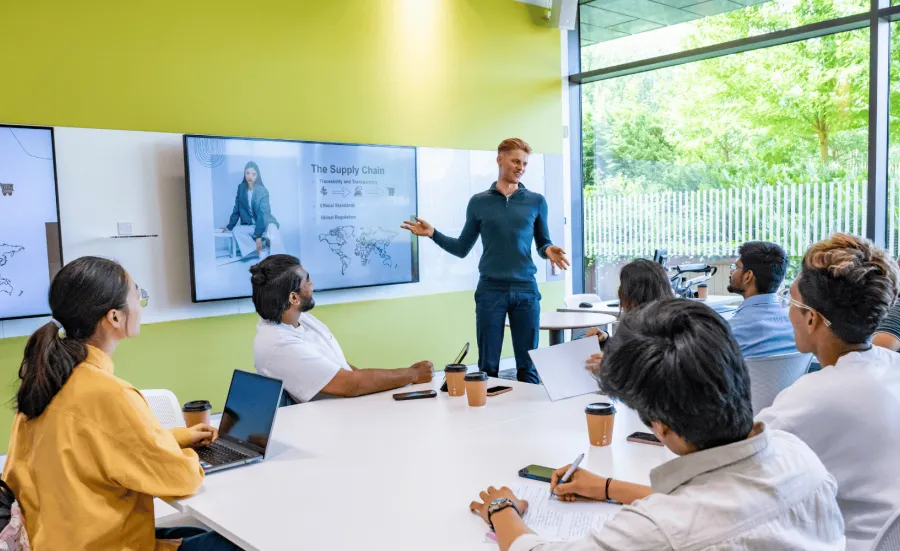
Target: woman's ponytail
<point x="49" y="359"/>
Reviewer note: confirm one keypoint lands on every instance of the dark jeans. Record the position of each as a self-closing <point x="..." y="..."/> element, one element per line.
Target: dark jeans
<point x="196" y="539"/>
<point x="524" y="311"/>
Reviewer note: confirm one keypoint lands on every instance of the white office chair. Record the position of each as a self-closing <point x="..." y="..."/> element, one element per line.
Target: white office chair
<point x="574" y="300"/>
<point x="772" y="374"/>
<point x="165" y="406"/>
<point x="889" y="537"/>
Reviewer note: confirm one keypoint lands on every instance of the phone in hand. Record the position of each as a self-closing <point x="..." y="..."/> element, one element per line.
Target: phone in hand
<point x="495" y="390"/>
<point x="537" y="472"/>
<point x="416" y="395"/>
<point x="644" y="438"/>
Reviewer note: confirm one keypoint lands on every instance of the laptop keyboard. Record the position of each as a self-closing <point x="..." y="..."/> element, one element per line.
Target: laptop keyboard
<point x="220" y="455"/>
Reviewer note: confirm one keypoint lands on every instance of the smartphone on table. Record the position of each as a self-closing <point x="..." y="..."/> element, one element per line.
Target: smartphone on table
<point x="415" y="395"/>
<point x="495" y="390"/>
<point x="644" y="438"/>
<point x="537" y="472"/>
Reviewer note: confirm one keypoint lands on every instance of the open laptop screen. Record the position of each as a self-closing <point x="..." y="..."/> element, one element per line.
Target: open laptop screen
<point x="250" y="410"/>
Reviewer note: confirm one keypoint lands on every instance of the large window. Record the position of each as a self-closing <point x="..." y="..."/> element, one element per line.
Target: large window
<point x="892" y="225"/>
<point x="761" y="139"/>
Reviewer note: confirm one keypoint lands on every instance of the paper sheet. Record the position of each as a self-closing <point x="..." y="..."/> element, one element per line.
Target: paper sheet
<point x="560" y="521"/>
<point x="561" y="368"/>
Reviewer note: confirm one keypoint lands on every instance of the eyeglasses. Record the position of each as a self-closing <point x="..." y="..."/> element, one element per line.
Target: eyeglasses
<point x="145" y="298"/>
<point x="733" y="267"/>
<point x="785" y="300"/>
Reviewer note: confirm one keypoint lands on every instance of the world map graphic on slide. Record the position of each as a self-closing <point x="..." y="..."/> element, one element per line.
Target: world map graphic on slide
<point x="369" y="241"/>
<point x="7" y="252"/>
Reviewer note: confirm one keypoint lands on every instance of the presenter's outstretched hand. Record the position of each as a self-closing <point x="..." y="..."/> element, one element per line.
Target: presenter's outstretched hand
<point x="259" y="244"/>
<point x="202" y="435"/>
<point x="424" y="372"/>
<point x="224" y="230"/>
<point x="421" y="227"/>
<point x="557" y="257"/>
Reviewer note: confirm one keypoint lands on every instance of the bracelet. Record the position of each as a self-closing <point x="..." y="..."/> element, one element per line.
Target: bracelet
<point x="606" y="491"/>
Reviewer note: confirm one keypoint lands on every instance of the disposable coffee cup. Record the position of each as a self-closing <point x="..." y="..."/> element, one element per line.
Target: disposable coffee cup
<point x="600" y="419"/>
<point x="702" y="291"/>
<point x="476" y="388"/>
<point x="196" y="412"/>
<point x="456" y="374"/>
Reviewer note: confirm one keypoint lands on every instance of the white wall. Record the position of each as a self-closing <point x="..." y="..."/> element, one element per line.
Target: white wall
<point x="110" y="176"/>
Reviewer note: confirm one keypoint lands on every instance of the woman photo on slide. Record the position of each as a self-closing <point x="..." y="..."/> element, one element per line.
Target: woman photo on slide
<point x="252" y="223"/>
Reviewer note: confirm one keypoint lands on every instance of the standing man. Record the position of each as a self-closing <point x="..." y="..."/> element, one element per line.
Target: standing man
<point x="508" y="217"/>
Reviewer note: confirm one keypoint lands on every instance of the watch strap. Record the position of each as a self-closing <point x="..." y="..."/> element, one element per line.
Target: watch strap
<point x="504" y="503"/>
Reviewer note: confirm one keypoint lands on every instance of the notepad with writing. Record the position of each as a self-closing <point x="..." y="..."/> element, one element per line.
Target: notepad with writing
<point x="562" y="370"/>
<point x="560" y="521"/>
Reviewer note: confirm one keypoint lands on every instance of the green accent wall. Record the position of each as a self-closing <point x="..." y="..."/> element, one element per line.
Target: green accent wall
<point x="461" y="74"/>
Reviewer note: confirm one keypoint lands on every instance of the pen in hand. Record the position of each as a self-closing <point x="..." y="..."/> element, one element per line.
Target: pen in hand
<point x="565" y="478"/>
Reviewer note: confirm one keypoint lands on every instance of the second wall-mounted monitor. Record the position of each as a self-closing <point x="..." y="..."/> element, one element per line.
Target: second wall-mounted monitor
<point x="337" y="207"/>
<point x="30" y="250"/>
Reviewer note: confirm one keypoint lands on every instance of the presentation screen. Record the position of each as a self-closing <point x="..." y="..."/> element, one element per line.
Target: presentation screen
<point x="337" y="207"/>
<point x="30" y="253"/>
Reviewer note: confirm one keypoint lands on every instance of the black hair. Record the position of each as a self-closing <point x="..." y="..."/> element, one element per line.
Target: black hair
<point x="767" y="261"/>
<point x="851" y="282"/>
<point x="677" y="363"/>
<point x="81" y="295"/>
<point x="255" y="167"/>
<point x="274" y="279"/>
<point x="643" y="281"/>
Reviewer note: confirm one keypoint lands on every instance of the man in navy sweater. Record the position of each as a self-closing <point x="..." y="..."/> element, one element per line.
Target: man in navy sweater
<point x="508" y="217"/>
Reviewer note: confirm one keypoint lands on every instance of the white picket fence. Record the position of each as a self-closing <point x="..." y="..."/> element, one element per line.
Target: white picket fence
<point x="709" y="223"/>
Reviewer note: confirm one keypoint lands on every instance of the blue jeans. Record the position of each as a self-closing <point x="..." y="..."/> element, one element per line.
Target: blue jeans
<point x="524" y="311"/>
<point x="196" y="539"/>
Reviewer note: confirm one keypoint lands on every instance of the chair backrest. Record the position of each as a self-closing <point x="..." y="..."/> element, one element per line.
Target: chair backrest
<point x="771" y="374"/>
<point x="165" y="406"/>
<point x="574" y="300"/>
<point x="889" y="537"/>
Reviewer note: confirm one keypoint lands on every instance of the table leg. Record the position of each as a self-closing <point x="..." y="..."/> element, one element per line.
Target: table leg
<point x="557" y="336"/>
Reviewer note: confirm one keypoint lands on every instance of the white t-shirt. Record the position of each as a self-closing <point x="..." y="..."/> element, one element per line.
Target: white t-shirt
<point x="306" y="358"/>
<point x="849" y="414"/>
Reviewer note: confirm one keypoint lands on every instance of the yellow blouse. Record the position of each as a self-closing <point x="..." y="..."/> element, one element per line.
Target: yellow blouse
<point x="86" y="470"/>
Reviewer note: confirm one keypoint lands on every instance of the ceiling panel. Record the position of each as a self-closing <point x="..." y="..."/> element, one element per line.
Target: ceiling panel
<point x="603" y="20"/>
<point x="715" y="7"/>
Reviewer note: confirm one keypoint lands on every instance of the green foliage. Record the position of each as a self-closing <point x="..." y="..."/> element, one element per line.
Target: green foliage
<point x="796" y="113"/>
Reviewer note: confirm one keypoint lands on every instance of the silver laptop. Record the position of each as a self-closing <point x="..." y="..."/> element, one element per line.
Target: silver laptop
<point x="246" y="424"/>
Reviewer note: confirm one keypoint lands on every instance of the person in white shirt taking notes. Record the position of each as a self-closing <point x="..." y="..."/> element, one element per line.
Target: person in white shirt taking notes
<point x="849" y="412"/>
<point x="736" y="484"/>
<point x="295" y="347"/>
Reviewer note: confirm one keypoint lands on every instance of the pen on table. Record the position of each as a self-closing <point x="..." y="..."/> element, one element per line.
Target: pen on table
<point x="565" y="478"/>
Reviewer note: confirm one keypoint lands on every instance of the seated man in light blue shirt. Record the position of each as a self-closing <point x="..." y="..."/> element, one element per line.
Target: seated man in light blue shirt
<point x="760" y="326"/>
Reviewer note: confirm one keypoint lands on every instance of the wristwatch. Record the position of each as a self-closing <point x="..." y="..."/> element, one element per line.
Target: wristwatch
<point x="499" y="505"/>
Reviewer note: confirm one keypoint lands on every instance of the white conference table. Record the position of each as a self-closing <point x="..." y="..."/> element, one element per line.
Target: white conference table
<point x="556" y="323"/>
<point x="719" y="303"/>
<point x="372" y="473"/>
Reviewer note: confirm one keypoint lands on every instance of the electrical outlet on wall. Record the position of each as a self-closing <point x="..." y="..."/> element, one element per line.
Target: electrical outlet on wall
<point x="124" y="229"/>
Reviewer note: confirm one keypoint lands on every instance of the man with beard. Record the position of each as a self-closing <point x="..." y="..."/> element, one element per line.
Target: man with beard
<point x="760" y="326"/>
<point x="295" y="347"/>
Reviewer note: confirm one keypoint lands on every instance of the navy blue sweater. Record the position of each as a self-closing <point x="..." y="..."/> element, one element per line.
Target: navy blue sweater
<point x="507" y="226"/>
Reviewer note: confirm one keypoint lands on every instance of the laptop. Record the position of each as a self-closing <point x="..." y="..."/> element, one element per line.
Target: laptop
<point x="246" y="424"/>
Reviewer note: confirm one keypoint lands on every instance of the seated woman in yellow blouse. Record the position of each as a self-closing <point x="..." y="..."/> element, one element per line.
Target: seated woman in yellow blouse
<point x="86" y="455"/>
